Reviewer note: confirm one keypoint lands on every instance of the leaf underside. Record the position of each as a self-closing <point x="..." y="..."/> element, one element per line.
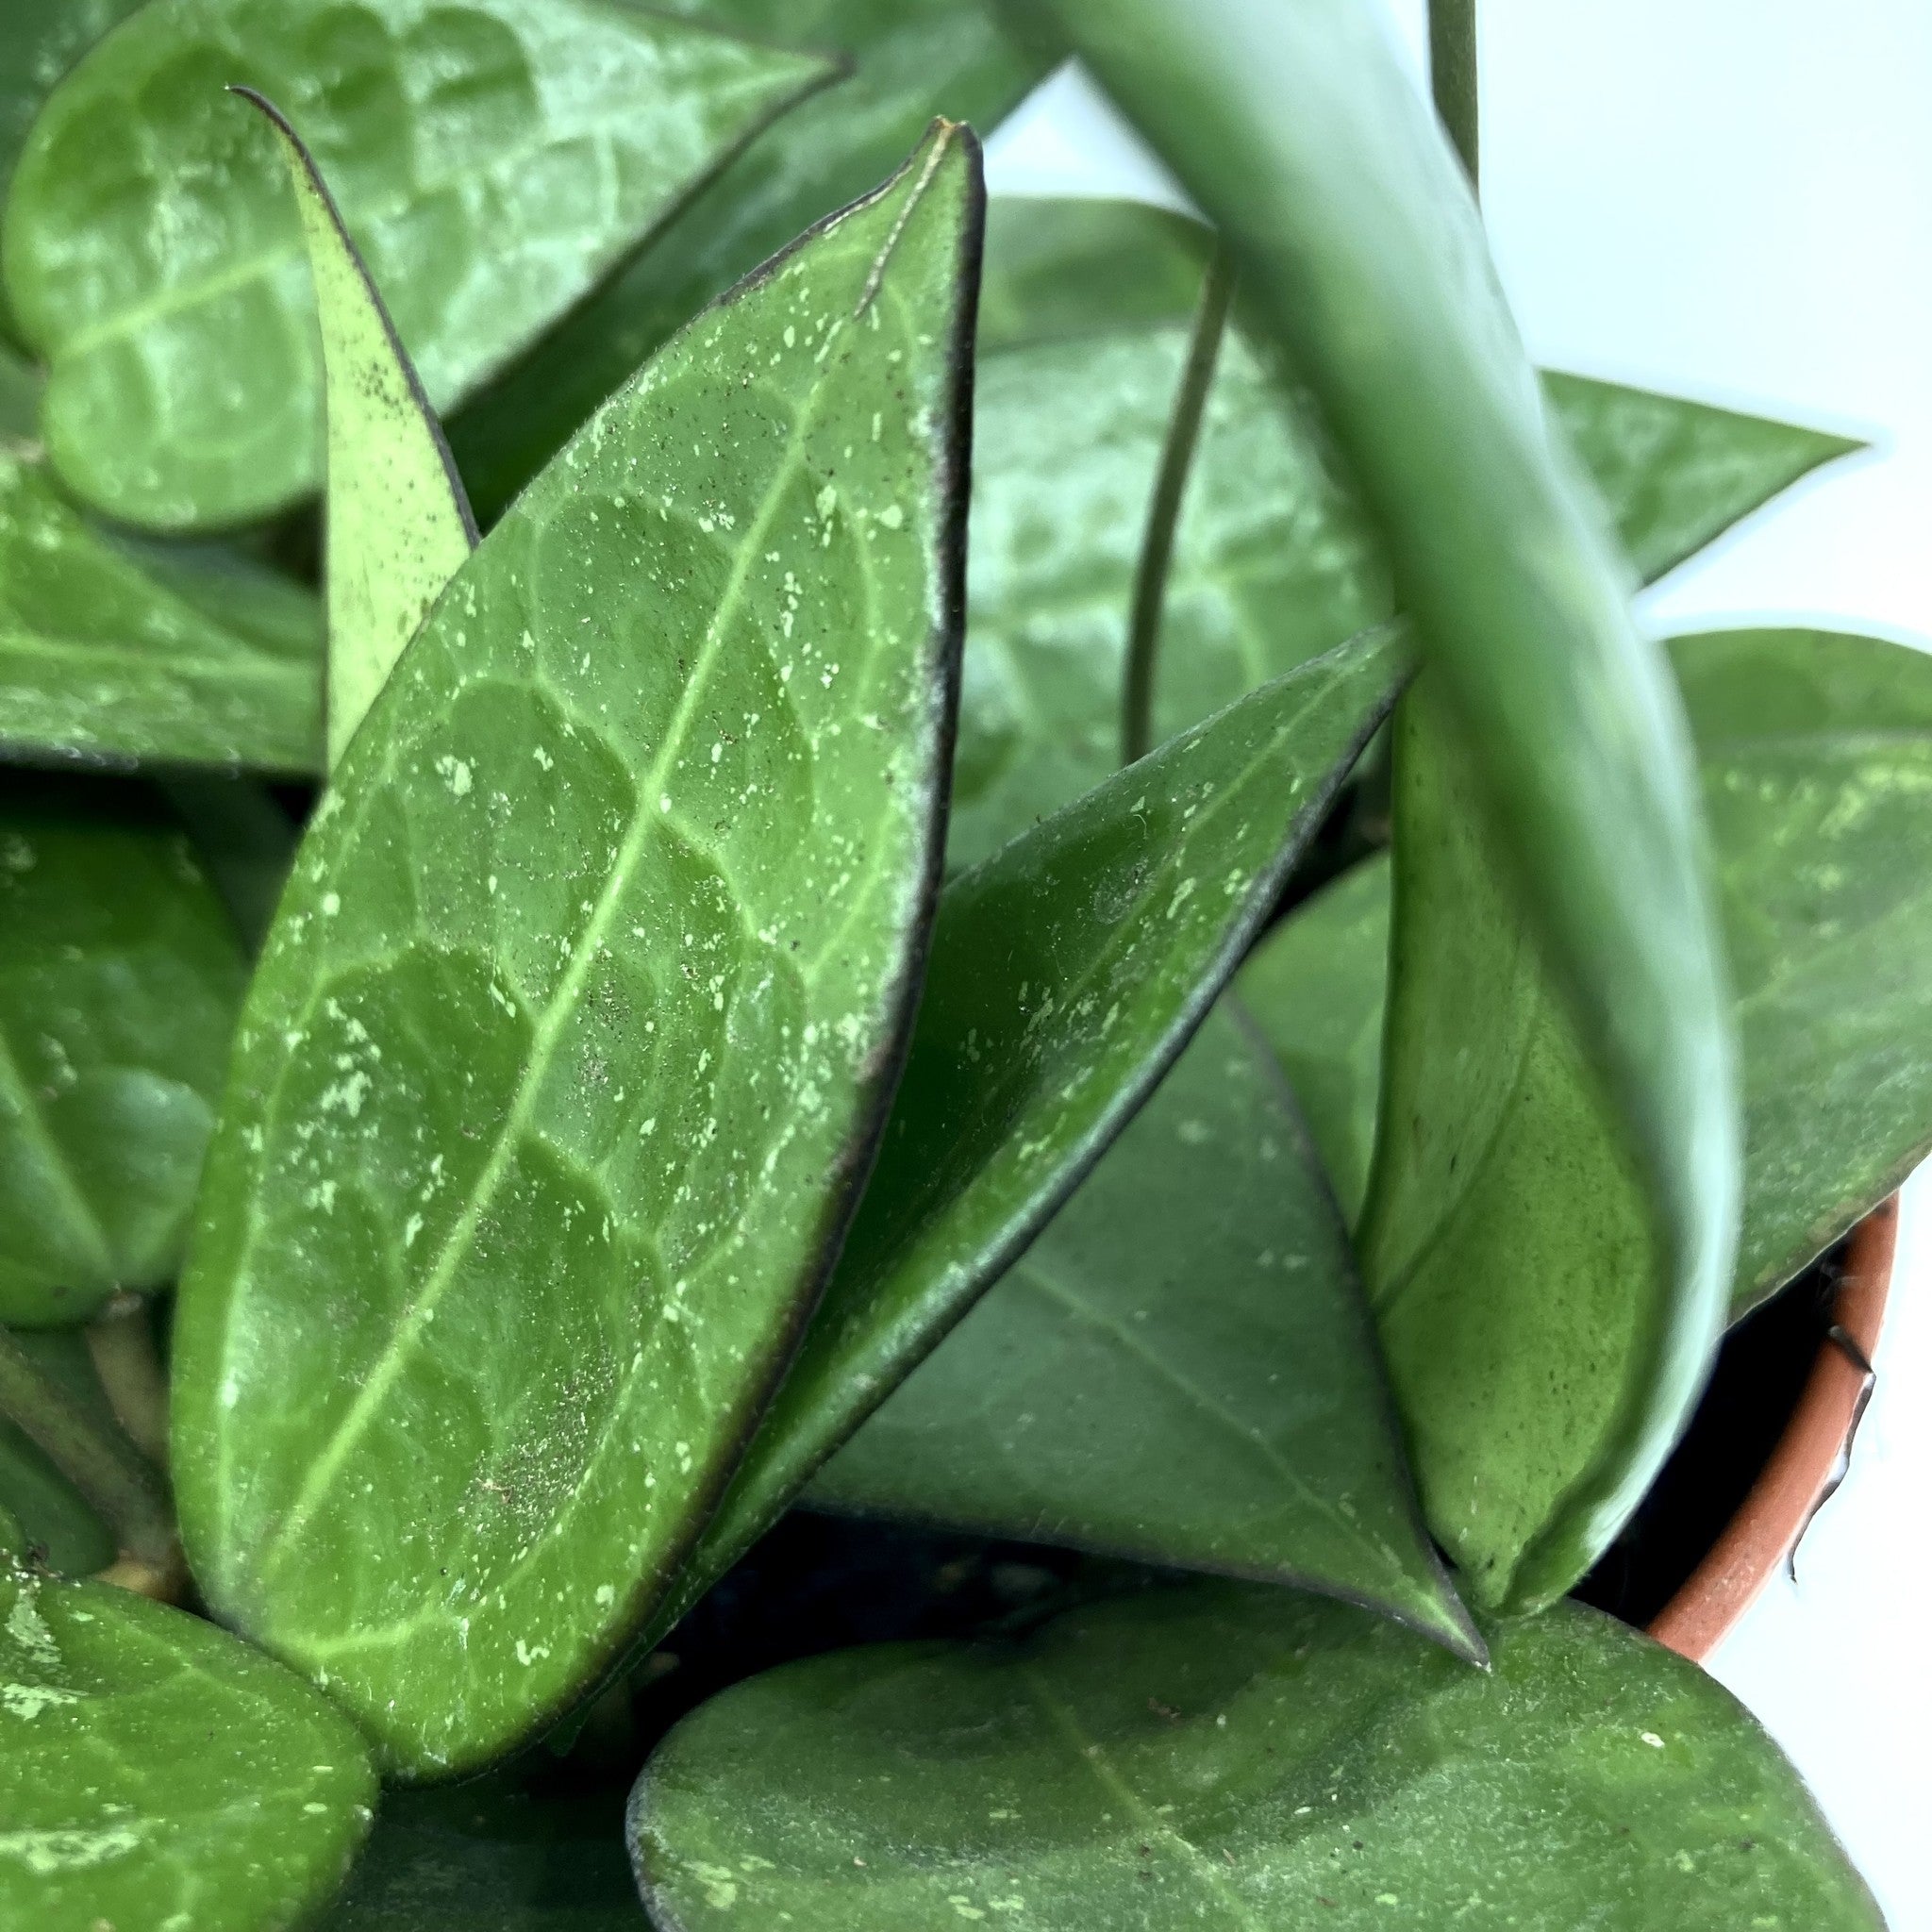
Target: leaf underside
<point x="1224" y="1755"/>
<point x="569" y="1045"/>
<point x="1181" y="1369"/>
<point x="154" y="259"/>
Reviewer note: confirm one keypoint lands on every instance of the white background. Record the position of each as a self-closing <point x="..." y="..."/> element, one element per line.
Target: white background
<point x="1732" y="200"/>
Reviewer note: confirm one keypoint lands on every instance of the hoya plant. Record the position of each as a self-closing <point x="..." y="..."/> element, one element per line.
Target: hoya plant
<point x="692" y="848"/>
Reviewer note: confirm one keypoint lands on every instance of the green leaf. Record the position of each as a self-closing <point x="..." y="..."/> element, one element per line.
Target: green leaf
<point x="54" y="1519"/>
<point x="969" y="60"/>
<point x="120" y="977"/>
<point x="1316" y="987"/>
<point x="1304" y="138"/>
<point x="1181" y="1369"/>
<point x="493" y="161"/>
<point x="117" y="656"/>
<point x="154" y="1771"/>
<point x="20" y="402"/>
<point x="244" y="839"/>
<point x="1067" y="975"/>
<point x="1218" y="1754"/>
<point x="399" y="524"/>
<point x="489" y="1857"/>
<point x="578" y="1022"/>
<point x="1816" y="760"/>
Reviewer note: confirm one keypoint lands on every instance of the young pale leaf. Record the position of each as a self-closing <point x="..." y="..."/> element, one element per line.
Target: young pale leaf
<point x="154" y="259"/>
<point x="399" y="524"/>
<point x="120" y="977"/>
<point x="154" y="1772"/>
<point x="489" y="1857"/>
<point x="572" y="1041"/>
<point x="54" y="1520"/>
<point x="1083" y="329"/>
<point x="1181" y="1369"/>
<point x="1067" y="974"/>
<point x="1221" y="1755"/>
<point x="109" y="654"/>
<point x="1316" y="987"/>
<point x="971" y="61"/>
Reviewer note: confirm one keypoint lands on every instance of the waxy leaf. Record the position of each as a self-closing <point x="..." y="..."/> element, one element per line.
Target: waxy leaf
<point x="1067" y="974"/>
<point x="493" y="160"/>
<point x="109" y="654"/>
<point x="1221" y="1755"/>
<point x="120" y="977"/>
<point x="54" y="1519"/>
<point x="572" y="1040"/>
<point x="1083" y="330"/>
<point x="155" y="1772"/>
<point x="399" y="524"/>
<point x="1315" y="988"/>
<point x="1181" y="1369"/>
<point x="489" y="1857"/>
<point x="971" y="61"/>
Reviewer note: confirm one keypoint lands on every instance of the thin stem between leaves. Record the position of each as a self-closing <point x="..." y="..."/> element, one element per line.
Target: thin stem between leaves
<point x="1163" y="512"/>
<point x="117" y="1480"/>
<point x="1453" y="75"/>
<point x="121" y="1340"/>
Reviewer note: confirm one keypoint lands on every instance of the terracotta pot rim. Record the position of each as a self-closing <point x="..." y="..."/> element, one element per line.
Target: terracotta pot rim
<point x="1800" y="1471"/>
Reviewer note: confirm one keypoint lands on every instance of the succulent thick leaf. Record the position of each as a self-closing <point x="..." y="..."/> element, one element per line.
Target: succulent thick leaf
<point x="489" y="1857"/>
<point x="1181" y="1369"/>
<point x="1067" y="974"/>
<point x="1316" y="987"/>
<point x="54" y="1520"/>
<point x="968" y="59"/>
<point x="1817" y="758"/>
<point x="399" y="524"/>
<point x="1221" y="1755"/>
<point x="120" y="977"/>
<point x="572" y="1041"/>
<point x="494" y="160"/>
<point x="107" y="655"/>
<point x="1083" y="330"/>
<point x="154" y="1772"/>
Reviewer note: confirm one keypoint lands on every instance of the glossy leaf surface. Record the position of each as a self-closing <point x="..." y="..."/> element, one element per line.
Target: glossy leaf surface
<point x="969" y="60"/>
<point x="1316" y="987"/>
<point x="1221" y="1755"/>
<point x="399" y="524"/>
<point x="488" y="1858"/>
<point x="109" y="654"/>
<point x="1181" y="1369"/>
<point x="492" y="160"/>
<point x="120" y="978"/>
<point x="575" y="1030"/>
<point x="155" y="1772"/>
<point x="1067" y="975"/>
<point x="1083" y="329"/>
<point x="55" y="1521"/>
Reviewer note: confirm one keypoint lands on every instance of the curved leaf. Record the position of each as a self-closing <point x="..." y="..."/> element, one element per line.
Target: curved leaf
<point x="1230" y="1755"/>
<point x="120" y="977"/>
<point x="114" y="656"/>
<point x="493" y="160"/>
<point x="571" y="1044"/>
<point x="399" y="524"/>
<point x="54" y="1519"/>
<point x="1067" y="975"/>
<point x="1316" y="987"/>
<point x="154" y="1771"/>
<point x="1181" y="1369"/>
<point x="969" y="60"/>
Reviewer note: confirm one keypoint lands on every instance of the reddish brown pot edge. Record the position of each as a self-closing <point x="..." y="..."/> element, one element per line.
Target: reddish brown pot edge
<point x="1796" y="1478"/>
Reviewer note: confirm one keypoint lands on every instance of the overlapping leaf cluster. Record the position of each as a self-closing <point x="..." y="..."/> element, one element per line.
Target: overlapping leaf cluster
<point x="669" y="1006"/>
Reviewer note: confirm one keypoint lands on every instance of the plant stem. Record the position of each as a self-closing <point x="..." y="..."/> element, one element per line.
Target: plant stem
<point x="1163" y="512"/>
<point x="120" y="1338"/>
<point x="1453" y="75"/>
<point x="120" y="1484"/>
